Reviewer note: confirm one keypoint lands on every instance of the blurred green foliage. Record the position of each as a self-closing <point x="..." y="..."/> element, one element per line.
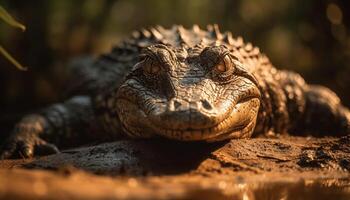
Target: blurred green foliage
<point x="6" y="17"/>
<point x="310" y="37"/>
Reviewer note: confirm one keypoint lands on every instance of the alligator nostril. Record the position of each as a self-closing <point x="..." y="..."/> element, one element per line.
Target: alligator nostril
<point x="176" y="104"/>
<point x="206" y="104"/>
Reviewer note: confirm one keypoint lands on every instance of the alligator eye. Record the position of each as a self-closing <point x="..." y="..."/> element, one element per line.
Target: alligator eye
<point x="224" y="65"/>
<point x="220" y="67"/>
<point x="151" y="67"/>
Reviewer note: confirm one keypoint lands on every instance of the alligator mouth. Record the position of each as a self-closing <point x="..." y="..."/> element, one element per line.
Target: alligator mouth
<point x="239" y="123"/>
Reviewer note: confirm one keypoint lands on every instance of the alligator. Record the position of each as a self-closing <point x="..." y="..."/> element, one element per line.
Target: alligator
<point x="181" y="84"/>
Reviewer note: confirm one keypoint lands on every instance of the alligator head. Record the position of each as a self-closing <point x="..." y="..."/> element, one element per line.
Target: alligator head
<point x="202" y="92"/>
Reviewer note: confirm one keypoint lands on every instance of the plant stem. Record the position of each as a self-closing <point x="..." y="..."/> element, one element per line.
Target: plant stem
<point x="11" y="59"/>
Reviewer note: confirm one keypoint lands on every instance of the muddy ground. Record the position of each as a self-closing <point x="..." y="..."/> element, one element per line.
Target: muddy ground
<point x="260" y="168"/>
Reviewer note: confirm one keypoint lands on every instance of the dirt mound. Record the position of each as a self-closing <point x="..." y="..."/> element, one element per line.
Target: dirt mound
<point x="258" y="168"/>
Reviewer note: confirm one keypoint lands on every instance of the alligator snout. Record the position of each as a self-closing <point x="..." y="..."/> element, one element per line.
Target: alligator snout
<point x="184" y="115"/>
<point x="182" y="105"/>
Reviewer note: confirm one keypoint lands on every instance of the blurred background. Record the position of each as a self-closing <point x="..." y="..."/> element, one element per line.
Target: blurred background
<point x="309" y="37"/>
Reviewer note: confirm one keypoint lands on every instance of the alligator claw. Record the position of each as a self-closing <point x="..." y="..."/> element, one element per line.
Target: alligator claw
<point x="26" y="146"/>
<point x="46" y="149"/>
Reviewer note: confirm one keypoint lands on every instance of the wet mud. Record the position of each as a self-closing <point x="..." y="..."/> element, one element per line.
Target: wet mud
<point x="260" y="168"/>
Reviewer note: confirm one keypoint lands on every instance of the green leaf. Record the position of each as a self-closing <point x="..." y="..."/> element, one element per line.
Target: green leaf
<point x="8" y="19"/>
<point x="11" y="59"/>
<point x="4" y="15"/>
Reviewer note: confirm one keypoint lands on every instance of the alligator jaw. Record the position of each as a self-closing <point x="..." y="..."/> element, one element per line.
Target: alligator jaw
<point x="239" y="124"/>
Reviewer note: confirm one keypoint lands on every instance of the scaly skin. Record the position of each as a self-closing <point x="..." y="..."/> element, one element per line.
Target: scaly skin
<point x="182" y="84"/>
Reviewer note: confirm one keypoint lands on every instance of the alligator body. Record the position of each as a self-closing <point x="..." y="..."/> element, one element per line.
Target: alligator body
<point x="182" y="84"/>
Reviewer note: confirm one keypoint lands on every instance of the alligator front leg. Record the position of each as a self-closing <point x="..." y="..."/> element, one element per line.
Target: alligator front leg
<point x="324" y="114"/>
<point x="60" y="124"/>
